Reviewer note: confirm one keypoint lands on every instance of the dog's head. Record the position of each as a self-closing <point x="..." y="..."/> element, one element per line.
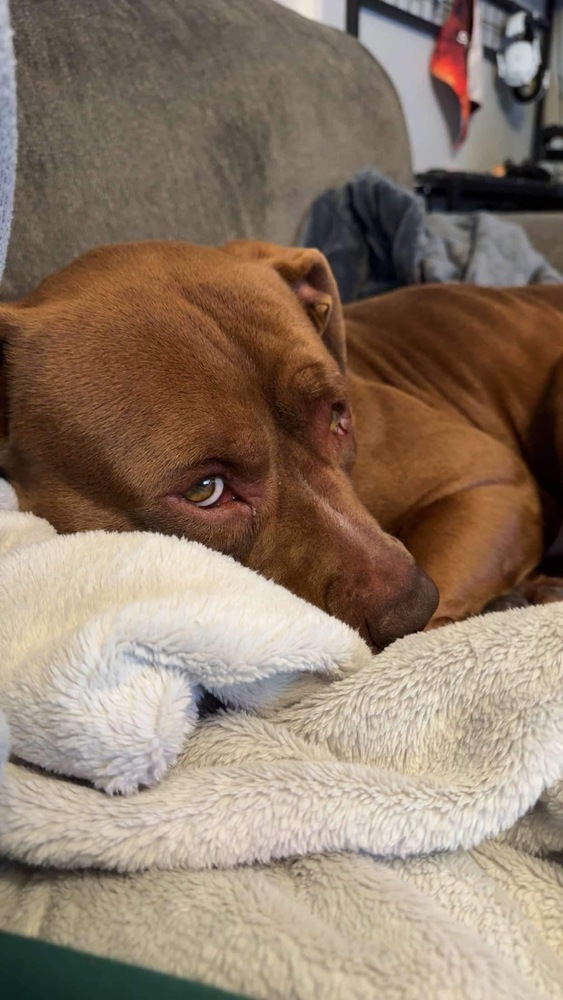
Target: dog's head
<point x="202" y="393"/>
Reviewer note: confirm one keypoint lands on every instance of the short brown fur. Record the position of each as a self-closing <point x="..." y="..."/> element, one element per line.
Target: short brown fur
<point x="142" y="368"/>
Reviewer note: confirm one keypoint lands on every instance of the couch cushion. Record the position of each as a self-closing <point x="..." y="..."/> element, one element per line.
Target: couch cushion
<point x="545" y="232"/>
<point x="186" y="120"/>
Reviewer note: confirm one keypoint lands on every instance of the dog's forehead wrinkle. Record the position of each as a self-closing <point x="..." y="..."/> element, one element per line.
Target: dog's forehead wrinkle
<point x="233" y="318"/>
<point x="246" y="308"/>
<point x="172" y="339"/>
<point x="208" y="331"/>
<point x="315" y="378"/>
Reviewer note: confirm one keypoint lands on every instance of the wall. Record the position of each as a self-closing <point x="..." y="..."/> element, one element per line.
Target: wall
<point x="330" y="12"/>
<point x="553" y="112"/>
<point x="502" y="129"/>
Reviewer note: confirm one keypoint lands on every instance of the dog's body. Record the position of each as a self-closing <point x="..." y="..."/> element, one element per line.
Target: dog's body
<point x="459" y="419"/>
<point x="204" y="393"/>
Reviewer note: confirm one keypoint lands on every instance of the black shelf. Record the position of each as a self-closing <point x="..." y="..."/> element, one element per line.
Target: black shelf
<point x="458" y="191"/>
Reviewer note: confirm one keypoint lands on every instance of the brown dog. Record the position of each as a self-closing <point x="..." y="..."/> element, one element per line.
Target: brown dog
<point x="204" y="393"/>
<point x="173" y="388"/>
<point x="462" y="446"/>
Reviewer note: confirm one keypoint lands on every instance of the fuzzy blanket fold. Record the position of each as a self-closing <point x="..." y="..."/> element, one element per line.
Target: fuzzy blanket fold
<point x="346" y="826"/>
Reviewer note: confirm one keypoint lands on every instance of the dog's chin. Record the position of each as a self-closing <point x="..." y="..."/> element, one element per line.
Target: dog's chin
<point x="375" y="649"/>
<point x="364" y="632"/>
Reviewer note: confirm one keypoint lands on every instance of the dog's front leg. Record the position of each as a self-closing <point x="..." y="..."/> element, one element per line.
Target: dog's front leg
<point x="477" y="544"/>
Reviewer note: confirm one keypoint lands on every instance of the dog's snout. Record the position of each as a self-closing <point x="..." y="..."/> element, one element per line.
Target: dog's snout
<point x="409" y="612"/>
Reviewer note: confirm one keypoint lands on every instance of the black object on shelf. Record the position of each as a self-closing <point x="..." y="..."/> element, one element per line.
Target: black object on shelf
<point x="528" y="171"/>
<point x="551" y="143"/>
<point x="452" y="191"/>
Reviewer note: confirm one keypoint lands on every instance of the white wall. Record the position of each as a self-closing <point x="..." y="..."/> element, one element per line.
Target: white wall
<point x="501" y="129"/>
<point x="553" y="111"/>
<point x="330" y="12"/>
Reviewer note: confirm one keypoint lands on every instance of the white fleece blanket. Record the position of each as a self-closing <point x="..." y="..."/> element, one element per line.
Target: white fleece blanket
<point x="348" y="826"/>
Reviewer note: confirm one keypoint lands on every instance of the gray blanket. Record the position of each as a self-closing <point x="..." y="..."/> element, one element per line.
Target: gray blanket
<point x="377" y="237"/>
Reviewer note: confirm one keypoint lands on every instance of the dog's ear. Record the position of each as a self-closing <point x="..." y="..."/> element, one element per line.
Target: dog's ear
<point x="308" y="274"/>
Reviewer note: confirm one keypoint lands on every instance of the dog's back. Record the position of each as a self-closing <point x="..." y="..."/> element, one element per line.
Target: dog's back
<point x="488" y="356"/>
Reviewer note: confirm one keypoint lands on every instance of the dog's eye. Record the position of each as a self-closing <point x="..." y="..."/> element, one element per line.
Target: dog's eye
<point x="206" y="492"/>
<point x="340" y="420"/>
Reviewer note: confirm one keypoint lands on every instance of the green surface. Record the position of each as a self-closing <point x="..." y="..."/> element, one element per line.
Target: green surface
<point x="30" y="969"/>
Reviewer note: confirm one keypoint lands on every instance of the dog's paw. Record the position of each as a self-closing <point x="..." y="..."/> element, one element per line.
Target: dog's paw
<point x="506" y="602"/>
<point x="543" y="589"/>
<point x="540" y="589"/>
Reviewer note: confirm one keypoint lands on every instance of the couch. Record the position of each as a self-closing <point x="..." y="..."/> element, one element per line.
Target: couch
<point x="188" y="120"/>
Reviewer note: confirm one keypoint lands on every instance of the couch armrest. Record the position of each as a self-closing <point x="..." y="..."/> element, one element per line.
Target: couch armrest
<point x="545" y="232"/>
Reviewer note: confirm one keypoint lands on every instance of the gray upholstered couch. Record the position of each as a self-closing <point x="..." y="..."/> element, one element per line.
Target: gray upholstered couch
<point x="193" y="119"/>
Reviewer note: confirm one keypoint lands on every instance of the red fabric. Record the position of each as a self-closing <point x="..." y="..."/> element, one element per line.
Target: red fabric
<point x="449" y="59"/>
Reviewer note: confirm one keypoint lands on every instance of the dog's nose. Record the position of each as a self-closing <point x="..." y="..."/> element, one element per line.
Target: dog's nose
<point x="409" y="613"/>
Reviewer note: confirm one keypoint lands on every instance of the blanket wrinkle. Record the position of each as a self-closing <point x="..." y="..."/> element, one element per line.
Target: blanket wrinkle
<point x="97" y="646"/>
<point x="347" y="825"/>
<point x="484" y="905"/>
